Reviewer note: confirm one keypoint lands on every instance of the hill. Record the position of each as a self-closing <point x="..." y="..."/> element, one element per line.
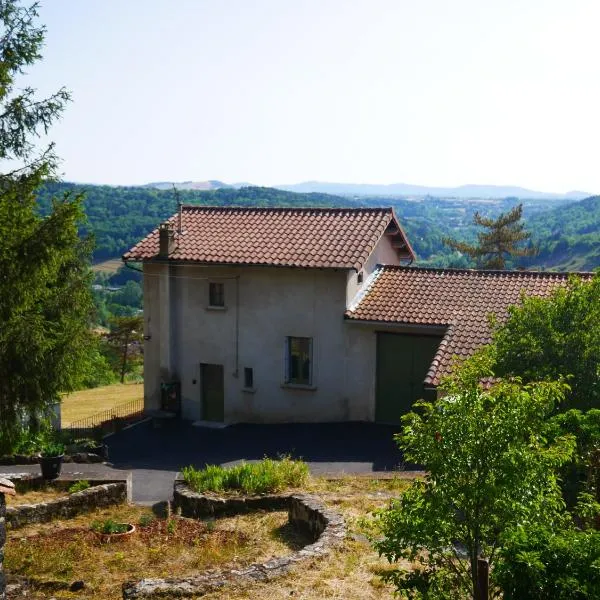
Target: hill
<point x="120" y="216"/>
<point x="404" y="189"/>
<point x="568" y="236"/>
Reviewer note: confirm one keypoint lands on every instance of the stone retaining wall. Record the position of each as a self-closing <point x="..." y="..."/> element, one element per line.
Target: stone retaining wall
<point x="64" y="508"/>
<point x="6" y="487"/>
<point x="325" y="528"/>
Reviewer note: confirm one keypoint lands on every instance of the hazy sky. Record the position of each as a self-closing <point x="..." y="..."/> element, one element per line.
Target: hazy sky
<point x="433" y="92"/>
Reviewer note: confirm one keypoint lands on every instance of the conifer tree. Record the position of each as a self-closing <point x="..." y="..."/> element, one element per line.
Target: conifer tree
<point x="45" y="297"/>
<point x="502" y="238"/>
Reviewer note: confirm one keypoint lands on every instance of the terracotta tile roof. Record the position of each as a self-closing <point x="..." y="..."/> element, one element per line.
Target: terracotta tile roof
<point x="459" y="300"/>
<point x="298" y="237"/>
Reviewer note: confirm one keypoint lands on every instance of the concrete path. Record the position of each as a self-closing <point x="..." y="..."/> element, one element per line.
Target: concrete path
<point x="155" y="456"/>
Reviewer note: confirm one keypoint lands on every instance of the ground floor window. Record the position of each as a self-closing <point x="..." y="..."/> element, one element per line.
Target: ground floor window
<point x="299" y="360"/>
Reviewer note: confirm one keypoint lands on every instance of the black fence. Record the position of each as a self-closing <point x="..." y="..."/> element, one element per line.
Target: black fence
<point x="108" y="421"/>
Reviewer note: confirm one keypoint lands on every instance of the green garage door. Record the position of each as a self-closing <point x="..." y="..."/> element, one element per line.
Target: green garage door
<point x="402" y="364"/>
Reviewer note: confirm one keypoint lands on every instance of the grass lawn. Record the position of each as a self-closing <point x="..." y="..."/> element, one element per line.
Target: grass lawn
<point x="86" y="403"/>
<point x="349" y="572"/>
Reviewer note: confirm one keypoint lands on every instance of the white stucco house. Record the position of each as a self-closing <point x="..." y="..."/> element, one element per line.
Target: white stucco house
<point x="305" y="315"/>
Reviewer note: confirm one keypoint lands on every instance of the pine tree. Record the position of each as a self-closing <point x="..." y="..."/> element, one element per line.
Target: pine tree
<point x="502" y="238"/>
<point x="45" y="298"/>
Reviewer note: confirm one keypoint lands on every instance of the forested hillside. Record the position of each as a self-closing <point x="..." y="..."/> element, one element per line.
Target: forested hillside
<point x="567" y="231"/>
<point x="569" y="236"/>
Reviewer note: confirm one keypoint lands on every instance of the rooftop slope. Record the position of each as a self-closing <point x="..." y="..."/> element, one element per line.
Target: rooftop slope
<point x="460" y="300"/>
<point x="293" y="237"/>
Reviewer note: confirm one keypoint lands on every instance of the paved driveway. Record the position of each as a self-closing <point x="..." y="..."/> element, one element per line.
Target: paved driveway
<point x="156" y="455"/>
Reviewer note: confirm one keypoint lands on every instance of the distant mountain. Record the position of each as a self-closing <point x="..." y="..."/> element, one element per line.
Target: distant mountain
<point x="404" y="189"/>
<point x="202" y="186"/>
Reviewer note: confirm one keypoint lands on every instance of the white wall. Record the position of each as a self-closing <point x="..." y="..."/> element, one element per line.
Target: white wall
<point x="273" y="303"/>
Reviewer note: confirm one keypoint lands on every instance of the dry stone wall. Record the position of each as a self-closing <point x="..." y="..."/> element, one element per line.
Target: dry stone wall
<point x="68" y="506"/>
<point x="6" y="487"/>
<point x="325" y="528"/>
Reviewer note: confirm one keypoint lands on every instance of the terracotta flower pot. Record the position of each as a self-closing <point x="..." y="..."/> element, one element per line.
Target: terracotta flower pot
<point x="107" y="538"/>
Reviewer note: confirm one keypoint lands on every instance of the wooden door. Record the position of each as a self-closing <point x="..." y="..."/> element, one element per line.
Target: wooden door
<point x="213" y="392"/>
<point x="402" y="364"/>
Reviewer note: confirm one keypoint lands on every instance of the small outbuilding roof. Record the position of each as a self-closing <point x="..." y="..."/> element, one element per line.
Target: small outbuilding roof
<point x="457" y="300"/>
<point x="290" y="237"/>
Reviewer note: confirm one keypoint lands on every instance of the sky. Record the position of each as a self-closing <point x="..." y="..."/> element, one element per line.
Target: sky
<point x="429" y="92"/>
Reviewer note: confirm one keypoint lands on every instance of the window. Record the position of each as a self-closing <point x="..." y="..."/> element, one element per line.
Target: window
<point x="299" y="360"/>
<point x="216" y="294"/>
<point x="249" y="378"/>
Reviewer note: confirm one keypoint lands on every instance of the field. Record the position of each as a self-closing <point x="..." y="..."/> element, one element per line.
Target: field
<point x="108" y="266"/>
<point x="86" y="403"/>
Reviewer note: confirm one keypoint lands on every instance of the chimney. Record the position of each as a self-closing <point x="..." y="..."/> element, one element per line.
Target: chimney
<point x="166" y="240"/>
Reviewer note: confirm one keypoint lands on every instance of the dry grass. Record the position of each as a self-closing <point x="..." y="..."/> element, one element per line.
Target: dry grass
<point x="350" y="572"/>
<point x="86" y="403"/>
<point x="67" y="551"/>
<point x="36" y="496"/>
<point x="108" y="266"/>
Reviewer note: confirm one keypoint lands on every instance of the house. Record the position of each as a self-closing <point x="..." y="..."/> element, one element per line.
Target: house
<point x="306" y="314"/>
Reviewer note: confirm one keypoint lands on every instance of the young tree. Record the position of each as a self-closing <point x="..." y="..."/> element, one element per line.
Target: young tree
<point x="501" y="238"/>
<point x="488" y="469"/>
<point x="45" y="301"/>
<point x="125" y="339"/>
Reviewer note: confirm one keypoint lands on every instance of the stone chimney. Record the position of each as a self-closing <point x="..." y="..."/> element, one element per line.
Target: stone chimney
<point x="6" y="487"/>
<point x="166" y="240"/>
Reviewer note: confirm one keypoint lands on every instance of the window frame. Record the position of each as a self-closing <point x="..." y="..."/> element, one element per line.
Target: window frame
<point x="218" y="295"/>
<point x="300" y="382"/>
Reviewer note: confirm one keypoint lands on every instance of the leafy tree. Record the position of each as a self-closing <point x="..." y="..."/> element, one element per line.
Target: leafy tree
<point x="500" y="239"/>
<point x="559" y="335"/>
<point x="45" y="302"/>
<point x="488" y="469"/>
<point x="125" y="340"/>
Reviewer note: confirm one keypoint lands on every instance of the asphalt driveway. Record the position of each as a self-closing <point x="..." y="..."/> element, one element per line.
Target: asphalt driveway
<point x="155" y="455"/>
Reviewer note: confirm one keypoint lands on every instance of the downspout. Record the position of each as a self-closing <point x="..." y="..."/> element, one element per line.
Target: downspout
<point x="237" y="327"/>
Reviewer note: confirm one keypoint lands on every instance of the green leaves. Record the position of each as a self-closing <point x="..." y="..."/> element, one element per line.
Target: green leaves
<point x="489" y="469"/>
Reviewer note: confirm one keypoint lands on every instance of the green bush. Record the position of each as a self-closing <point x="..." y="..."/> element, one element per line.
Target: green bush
<point x="539" y="564"/>
<point x="79" y="486"/>
<point x="249" y="478"/>
<point x="51" y="448"/>
<point x="109" y="526"/>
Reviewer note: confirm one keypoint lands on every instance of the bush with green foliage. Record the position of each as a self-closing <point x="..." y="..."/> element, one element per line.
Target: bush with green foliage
<point x="79" y="486"/>
<point x="248" y="478"/>
<point x="488" y="469"/>
<point x="539" y="563"/>
<point x="109" y="526"/>
<point x="52" y="448"/>
<point x="553" y="337"/>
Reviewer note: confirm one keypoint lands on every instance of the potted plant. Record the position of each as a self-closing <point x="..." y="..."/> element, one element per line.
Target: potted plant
<point x="109" y="530"/>
<point x="51" y="458"/>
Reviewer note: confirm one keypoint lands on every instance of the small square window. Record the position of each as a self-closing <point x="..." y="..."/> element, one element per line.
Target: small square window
<point x="249" y="378"/>
<point x="299" y="360"/>
<point x="216" y="294"/>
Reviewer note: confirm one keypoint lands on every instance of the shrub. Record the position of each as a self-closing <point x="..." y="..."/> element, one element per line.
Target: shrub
<point x="52" y="448"/>
<point x="249" y="478"/>
<point x="79" y="486"/>
<point x="489" y="469"/>
<point x="539" y="564"/>
<point x="109" y="526"/>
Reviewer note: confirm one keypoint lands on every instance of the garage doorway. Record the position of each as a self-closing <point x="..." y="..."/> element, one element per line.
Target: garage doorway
<point x="402" y="364"/>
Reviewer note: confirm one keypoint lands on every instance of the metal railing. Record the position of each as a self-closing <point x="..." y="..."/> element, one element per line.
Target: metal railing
<point x="107" y="421"/>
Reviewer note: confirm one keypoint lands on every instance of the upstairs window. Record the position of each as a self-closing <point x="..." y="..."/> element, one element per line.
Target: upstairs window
<point x="216" y="294"/>
<point x="299" y="360"/>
